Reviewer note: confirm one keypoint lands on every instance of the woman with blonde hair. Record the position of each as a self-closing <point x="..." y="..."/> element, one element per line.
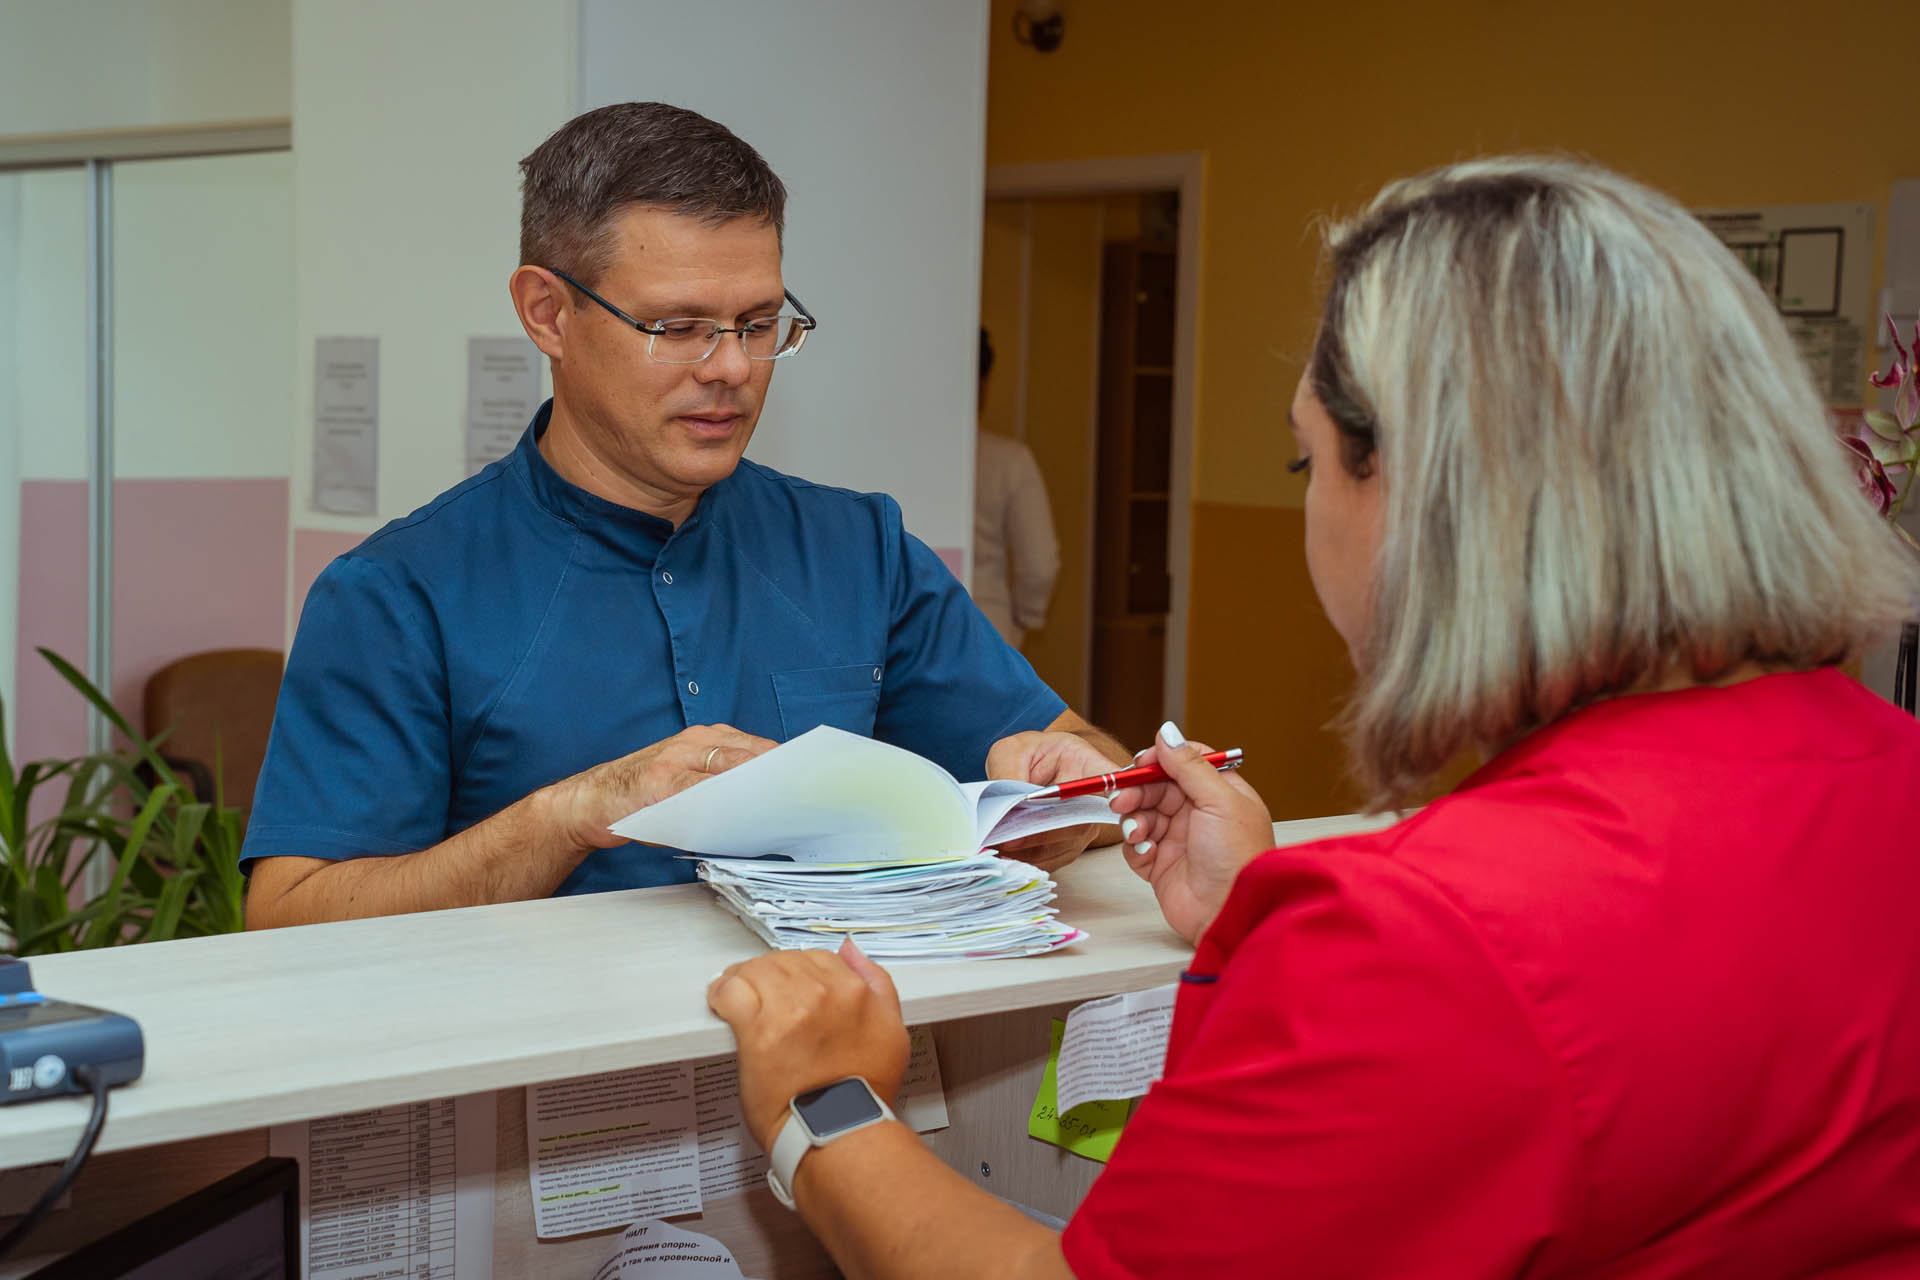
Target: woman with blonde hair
<point x="1642" y="996"/>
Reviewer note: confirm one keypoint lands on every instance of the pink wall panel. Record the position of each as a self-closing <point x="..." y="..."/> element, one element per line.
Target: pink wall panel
<point x="198" y="564"/>
<point x="312" y="550"/>
<point x="50" y="717"/>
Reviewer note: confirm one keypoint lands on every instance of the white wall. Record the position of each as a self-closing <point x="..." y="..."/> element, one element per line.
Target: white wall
<point x="69" y="66"/>
<point x="203" y="317"/>
<point x="873" y="112"/>
<point x="409" y="124"/>
<point x="43" y="387"/>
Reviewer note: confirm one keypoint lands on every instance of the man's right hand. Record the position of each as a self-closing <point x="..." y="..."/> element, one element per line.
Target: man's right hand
<point x="583" y="807"/>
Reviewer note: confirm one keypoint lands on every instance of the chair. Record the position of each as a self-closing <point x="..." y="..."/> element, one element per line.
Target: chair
<point x="224" y="697"/>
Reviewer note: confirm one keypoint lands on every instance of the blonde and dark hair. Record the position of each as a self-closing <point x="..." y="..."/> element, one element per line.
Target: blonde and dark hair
<point x="1604" y="461"/>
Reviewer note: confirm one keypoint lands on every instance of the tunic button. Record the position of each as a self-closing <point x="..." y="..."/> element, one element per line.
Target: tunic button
<point x="666" y="577"/>
<point x="876" y="675"/>
<point x="693" y="687"/>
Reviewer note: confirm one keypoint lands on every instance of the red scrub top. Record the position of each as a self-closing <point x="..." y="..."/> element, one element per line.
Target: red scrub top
<point x="1641" y="999"/>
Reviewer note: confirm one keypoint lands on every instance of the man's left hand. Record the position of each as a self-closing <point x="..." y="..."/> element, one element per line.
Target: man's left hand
<point x="804" y="1019"/>
<point x="1068" y="748"/>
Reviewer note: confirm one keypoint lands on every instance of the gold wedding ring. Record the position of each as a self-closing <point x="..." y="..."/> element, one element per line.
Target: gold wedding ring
<point x="708" y="766"/>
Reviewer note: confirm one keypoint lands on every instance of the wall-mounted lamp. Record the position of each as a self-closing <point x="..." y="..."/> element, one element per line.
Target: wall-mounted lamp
<point x="1039" y="23"/>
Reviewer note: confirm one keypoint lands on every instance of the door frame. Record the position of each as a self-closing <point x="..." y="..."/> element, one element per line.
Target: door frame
<point x="1185" y="172"/>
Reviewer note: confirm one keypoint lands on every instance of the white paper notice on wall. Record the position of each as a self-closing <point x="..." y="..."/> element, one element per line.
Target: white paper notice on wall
<point x="1816" y="262"/>
<point x="503" y="393"/>
<point x="604" y="1150"/>
<point x="1114" y="1048"/>
<point x="346" y="419"/>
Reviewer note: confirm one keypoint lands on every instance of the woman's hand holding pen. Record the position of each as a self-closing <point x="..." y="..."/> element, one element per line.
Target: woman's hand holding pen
<point x="1189" y="837"/>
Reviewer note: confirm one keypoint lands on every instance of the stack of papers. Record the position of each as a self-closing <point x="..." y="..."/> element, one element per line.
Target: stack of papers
<point x="876" y="842"/>
<point x="976" y="907"/>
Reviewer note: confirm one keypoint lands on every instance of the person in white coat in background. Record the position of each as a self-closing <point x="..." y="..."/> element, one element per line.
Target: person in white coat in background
<point x="1016" y="557"/>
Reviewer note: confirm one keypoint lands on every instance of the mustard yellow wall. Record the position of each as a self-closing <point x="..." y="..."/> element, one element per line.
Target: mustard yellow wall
<point x="1056" y="243"/>
<point x="1303" y="109"/>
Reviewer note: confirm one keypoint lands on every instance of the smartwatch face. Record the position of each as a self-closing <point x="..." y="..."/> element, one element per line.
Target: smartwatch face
<point x="842" y="1105"/>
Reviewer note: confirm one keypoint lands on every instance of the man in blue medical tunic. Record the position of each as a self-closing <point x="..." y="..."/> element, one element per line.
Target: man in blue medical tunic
<point x="623" y="605"/>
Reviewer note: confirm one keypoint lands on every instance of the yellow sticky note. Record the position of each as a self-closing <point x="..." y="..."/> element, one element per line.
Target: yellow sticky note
<point x="1090" y="1129"/>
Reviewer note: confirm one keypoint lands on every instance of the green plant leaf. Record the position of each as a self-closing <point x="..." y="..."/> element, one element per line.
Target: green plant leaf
<point x="105" y="929"/>
<point x="189" y="821"/>
<point x="59" y="932"/>
<point x="72" y="676"/>
<point x="172" y="902"/>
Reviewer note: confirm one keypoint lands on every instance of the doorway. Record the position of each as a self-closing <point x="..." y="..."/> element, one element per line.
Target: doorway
<point x="1088" y="286"/>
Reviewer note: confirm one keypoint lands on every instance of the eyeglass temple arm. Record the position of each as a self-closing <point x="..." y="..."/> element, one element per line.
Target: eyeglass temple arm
<point x="801" y="307"/>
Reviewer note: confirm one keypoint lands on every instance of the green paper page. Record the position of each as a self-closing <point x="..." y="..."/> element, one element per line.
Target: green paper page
<point x="1090" y="1129"/>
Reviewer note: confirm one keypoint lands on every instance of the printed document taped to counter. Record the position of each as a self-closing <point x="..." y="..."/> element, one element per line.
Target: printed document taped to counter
<point x="1114" y="1048"/>
<point x="396" y="1191"/>
<point x="661" y="1251"/>
<point x="637" y="1121"/>
<point x="604" y="1150"/>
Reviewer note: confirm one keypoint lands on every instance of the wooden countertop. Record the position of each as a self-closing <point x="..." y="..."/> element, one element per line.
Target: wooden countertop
<point x="255" y="1029"/>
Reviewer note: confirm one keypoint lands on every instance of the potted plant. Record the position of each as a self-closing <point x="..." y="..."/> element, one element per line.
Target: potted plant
<point x="175" y="859"/>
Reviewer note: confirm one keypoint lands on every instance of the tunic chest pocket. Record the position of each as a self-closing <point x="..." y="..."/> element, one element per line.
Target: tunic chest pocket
<point x="844" y="697"/>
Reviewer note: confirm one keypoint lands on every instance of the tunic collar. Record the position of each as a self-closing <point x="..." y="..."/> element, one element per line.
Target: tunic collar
<point x="622" y="529"/>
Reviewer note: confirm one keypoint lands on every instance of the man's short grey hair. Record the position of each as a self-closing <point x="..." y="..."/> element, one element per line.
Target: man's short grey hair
<point x="635" y="154"/>
<point x="1604" y="462"/>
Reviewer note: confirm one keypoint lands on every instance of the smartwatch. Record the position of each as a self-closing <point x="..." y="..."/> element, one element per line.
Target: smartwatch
<point x="816" y="1118"/>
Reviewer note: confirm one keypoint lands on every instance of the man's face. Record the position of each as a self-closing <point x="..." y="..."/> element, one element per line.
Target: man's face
<point x="670" y="430"/>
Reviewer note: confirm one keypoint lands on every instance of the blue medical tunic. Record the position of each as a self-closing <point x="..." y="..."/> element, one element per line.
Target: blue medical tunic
<point x="517" y="630"/>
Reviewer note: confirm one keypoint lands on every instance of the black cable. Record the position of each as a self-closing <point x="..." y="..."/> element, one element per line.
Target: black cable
<point x="94" y="1079"/>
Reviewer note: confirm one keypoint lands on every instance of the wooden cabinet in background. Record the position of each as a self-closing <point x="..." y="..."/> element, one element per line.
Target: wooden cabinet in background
<point x="1131" y="586"/>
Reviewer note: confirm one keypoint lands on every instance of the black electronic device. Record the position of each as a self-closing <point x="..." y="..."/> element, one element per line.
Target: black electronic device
<point x="44" y="1042"/>
<point x="243" y="1227"/>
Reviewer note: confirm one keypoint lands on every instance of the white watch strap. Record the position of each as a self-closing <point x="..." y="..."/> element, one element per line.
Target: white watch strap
<point x="794" y="1141"/>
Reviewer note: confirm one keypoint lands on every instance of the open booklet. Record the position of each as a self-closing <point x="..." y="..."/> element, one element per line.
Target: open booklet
<point x="833" y="796"/>
<point x="886" y="848"/>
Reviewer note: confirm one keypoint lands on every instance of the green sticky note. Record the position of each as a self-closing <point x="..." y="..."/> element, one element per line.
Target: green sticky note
<point x="1090" y="1129"/>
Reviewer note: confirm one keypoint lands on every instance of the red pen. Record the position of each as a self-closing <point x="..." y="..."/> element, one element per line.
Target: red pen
<point x="1136" y="776"/>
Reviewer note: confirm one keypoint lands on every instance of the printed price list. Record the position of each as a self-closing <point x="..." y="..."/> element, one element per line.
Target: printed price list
<point x="381" y="1194"/>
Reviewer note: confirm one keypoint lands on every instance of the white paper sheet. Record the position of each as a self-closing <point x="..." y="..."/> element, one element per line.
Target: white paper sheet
<point x="730" y="1160"/>
<point x="402" y="1191"/>
<point x="503" y="394"/>
<point x="1114" y="1048"/>
<point x="346" y="420"/>
<point x="604" y="1150"/>
<point x="661" y="1251"/>
<point x="980" y="907"/>
<point x="922" y="1104"/>
<point x="833" y="796"/>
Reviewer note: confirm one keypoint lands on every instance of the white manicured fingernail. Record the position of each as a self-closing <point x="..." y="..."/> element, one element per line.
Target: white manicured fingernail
<point x="1128" y="826"/>
<point x="1144" y="848"/>
<point x="1141" y="754"/>
<point x="1171" y="735"/>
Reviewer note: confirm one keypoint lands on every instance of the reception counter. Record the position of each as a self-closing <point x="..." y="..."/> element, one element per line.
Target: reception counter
<point x="259" y="1029"/>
